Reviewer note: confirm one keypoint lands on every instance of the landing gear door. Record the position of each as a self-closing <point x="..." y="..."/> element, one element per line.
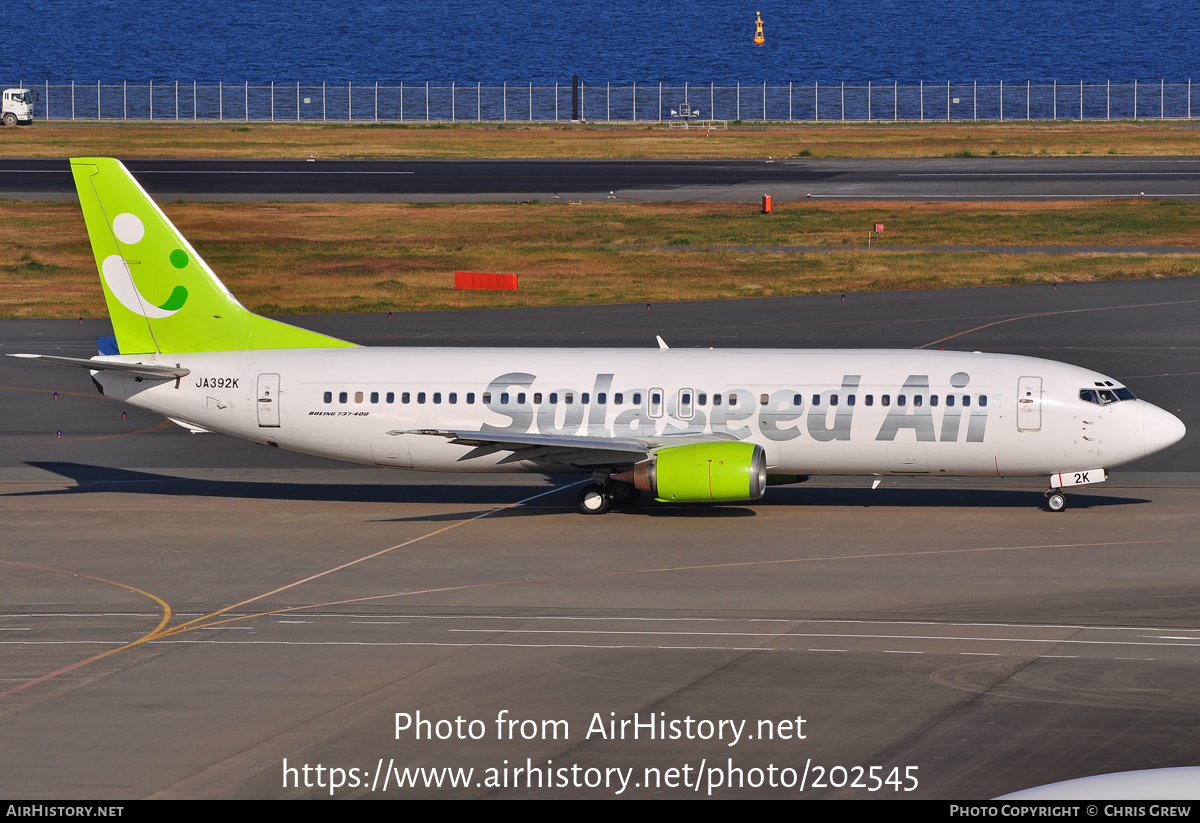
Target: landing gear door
<point x="268" y="401"/>
<point x="1029" y="404"/>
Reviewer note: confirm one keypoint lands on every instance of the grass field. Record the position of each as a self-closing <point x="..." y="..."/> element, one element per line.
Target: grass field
<point x="746" y="140"/>
<point x="298" y="258"/>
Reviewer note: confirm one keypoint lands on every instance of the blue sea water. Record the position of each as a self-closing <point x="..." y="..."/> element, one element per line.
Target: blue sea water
<point x="618" y="41"/>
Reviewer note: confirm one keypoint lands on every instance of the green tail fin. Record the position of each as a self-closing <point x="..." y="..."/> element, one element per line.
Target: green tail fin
<point x="161" y="295"/>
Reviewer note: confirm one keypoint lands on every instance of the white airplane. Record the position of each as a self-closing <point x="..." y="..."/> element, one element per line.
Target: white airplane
<point x="685" y="425"/>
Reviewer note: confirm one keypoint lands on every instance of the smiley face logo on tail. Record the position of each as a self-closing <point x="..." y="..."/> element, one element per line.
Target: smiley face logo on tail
<point x="129" y="229"/>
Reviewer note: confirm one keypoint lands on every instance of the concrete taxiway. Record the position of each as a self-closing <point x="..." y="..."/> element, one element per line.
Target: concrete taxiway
<point x="191" y="616"/>
<point x="948" y="179"/>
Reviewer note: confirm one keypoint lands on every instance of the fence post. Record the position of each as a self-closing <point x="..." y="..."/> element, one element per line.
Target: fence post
<point x="764" y="101"/>
<point x="73" y="99"/>
<point x="1001" y="101"/>
<point x="297" y="101"/>
<point x="272" y="101"/>
<point x="478" y="102"/>
<point x="453" y="113"/>
<point x="582" y="116"/>
<point x="505" y="106"/>
<point x="1162" y="99"/>
<point x="895" y="101"/>
<point x="195" y="105"/>
<point x="660" y="101"/>
<point x="687" y="103"/>
<point x="816" y="100"/>
<point x="843" y="101"/>
<point x="349" y="100"/>
<point x="922" y="101"/>
<point x="151" y="100"/>
<point x="401" y="101"/>
<point x="789" y="101"/>
<point x="739" y="100"/>
<point x="975" y="101"/>
<point x="323" y="110"/>
<point x="1108" y="100"/>
<point x="97" y="101"/>
<point x="1189" y="99"/>
<point x="868" y="101"/>
<point x="47" y="99"/>
<point x="947" y="101"/>
<point x="124" y="99"/>
<point x="635" y="101"/>
<point x="1027" y="82"/>
<point x="1135" y="98"/>
<point x="531" y="100"/>
<point x="712" y="101"/>
<point x="1054" y="94"/>
<point x="608" y="102"/>
<point x="555" y="101"/>
<point x="426" y="101"/>
<point x="220" y="100"/>
<point x="376" y="101"/>
<point x="1081" y="101"/>
<point x="245" y="102"/>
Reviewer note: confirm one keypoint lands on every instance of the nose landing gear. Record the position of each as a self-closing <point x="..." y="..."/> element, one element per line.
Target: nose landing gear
<point x="1056" y="501"/>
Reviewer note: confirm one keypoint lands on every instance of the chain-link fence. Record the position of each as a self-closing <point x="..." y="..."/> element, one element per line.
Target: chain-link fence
<point x="633" y="103"/>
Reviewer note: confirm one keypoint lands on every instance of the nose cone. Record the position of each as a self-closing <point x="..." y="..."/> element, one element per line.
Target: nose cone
<point x="1160" y="429"/>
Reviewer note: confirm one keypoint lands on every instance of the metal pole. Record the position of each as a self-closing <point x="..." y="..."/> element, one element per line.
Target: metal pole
<point x="47" y="99"/>
<point x="426" y="101"/>
<point x="635" y="101"/>
<point x="868" y="101"/>
<point x="947" y="101"/>
<point x="531" y="101"/>
<point x="452" y="111"/>
<point x="323" y="101"/>
<point x="220" y="99"/>
<point x="401" y="101"/>
<point x="816" y="100"/>
<point x="124" y="99"/>
<point x="764" y="101"/>
<point x="272" y="101"/>
<point x="555" y="101"/>
<point x="376" y="101"/>
<point x="151" y="100"/>
<point x="739" y="101"/>
<point x="975" y="101"/>
<point x="843" y="101"/>
<point x="922" y="101"/>
<point x="1001" y="101"/>
<point x="194" y="104"/>
<point x="97" y="101"/>
<point x="895" y="100"/>
<point x="712" y="101"/>
<point x="789" y="101"/>
<point x="608" y="102"/>
<point x="1055" y="94"/>
<point x="246" y="102"/>
<point x="350" y="100"/>
<point x="1162" y="99"/>
<point x="660" y="101"/>
<point x="1027" y="82"/>
<point x="1135" y="98"/>
<point x="478" y="102"/>
<point x="582" y="116"/>
<point x="73" y="98"/>
<point x="1108" y="100"/>
<point x="1189" y="99"/>
<point x="297" y="101"/>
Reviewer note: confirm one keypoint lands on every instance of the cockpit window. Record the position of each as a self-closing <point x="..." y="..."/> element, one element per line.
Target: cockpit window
<point x="1105" y="397"/>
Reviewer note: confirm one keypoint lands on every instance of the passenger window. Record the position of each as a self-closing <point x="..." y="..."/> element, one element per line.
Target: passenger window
<point x="358" y="397"/>
<point x="637" y="398"/>
<point x="933" y="401"/>
<point x="702" y="399"/>
<point x="983" y="399"/>
<point x="391" y="397"/>
<point x="870" y="400"/>
<point x="521" y="398"/>
<point x="405" y="397"/>
<point x="537" y="397"/>
<point x="850" y="400"/>
<point x="618" y="398"/>
<point x="437" y="397"/>
<point x="553" y="397"/>
<point x="343" y="397"/>
<point x="949" y="400"/>
<point x="453" y="398"/>
<point x="816" y="400"/>
<point x="833" y="399"/>
<point x="470" y="398"/>
<point x="329" y="396"/>
<point x="902" y="400"/>
<point x="583" y="398"/>
<point x="569" y="397"/>
<point x="374" y="397"/>
<point x="764" y="399"/>
<point x="601" y="398"/>
<point x="797" y="400"/>
<point x="733" y="399"/>
<point x="503" y="398"/>
<point x="420" y="397"/>
<point x="885" y="400"/>
<point x="917" y="400"/>
<point x="487" y="398"/>
<point x="716" y="399"/>
<point x="966" y="400"/>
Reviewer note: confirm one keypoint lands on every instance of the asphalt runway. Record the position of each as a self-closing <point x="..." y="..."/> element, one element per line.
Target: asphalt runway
<point x="948" y="632"/>
<point x="954" y="179"/>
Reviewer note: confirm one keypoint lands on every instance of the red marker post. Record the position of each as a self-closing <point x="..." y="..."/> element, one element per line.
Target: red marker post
<point x="878" y="230"/>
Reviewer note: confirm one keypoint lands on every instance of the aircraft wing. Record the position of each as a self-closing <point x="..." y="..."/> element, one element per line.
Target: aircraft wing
<point x="575" y="451"/>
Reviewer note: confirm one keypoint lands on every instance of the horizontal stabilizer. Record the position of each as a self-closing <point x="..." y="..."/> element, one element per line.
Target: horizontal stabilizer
<point x="160" y="372"/>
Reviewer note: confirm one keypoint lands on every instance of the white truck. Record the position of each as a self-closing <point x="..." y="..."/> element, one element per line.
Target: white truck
<point x="16" y="106"/>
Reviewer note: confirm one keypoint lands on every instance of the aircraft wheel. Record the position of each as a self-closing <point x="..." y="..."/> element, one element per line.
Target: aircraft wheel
<point x="594" y="500"/>
<point x="10" y="119"/>
<point x="1056" y="501"/>
<point x="622" y="493"/>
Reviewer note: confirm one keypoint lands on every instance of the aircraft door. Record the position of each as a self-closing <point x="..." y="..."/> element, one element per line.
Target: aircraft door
<point x="268" y="401"/>
<point x="1029" y="404"/>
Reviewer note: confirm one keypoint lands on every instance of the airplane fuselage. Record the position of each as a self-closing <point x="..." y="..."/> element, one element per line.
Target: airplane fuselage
<point x="812" y="411"/>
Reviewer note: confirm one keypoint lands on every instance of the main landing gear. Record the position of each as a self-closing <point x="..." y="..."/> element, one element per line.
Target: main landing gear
<point x="599" y="499"/>
<point x="1056" y="501"/>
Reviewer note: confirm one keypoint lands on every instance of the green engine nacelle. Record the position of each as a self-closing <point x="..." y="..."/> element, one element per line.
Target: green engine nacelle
<point x="704" y="473"/>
